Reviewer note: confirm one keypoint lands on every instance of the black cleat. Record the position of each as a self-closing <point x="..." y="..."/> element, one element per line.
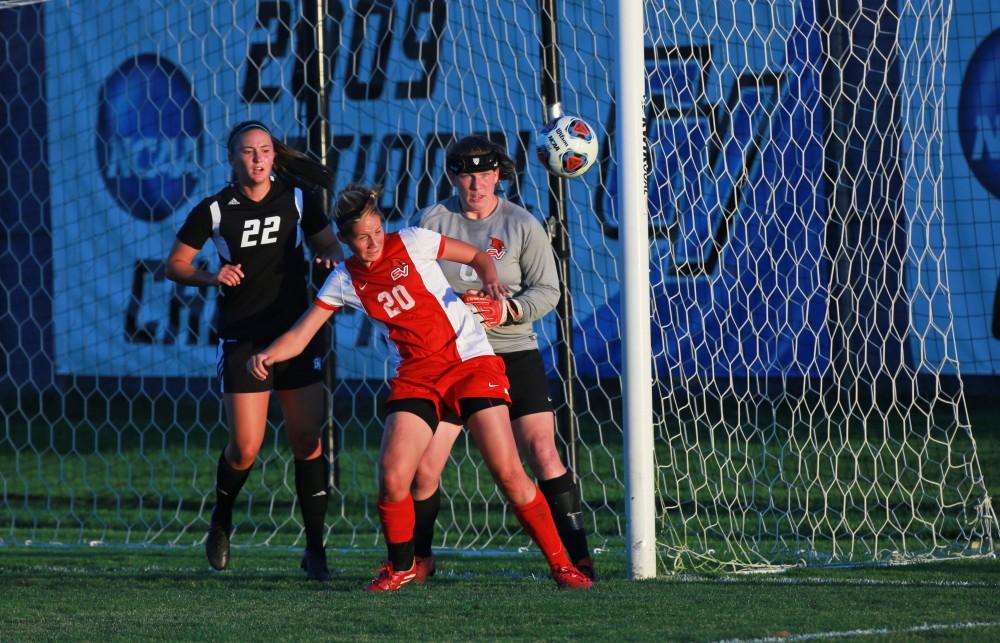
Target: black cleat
<point x="217" y="546"/>
<point x="586" y="567"/>
<point x="314" y="565"/>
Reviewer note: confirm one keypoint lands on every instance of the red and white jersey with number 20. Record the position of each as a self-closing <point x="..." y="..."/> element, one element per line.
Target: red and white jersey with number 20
<point x="409" y="300"/>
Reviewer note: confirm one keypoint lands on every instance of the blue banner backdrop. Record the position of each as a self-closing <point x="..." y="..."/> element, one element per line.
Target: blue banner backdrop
<point x="739" y="233"/>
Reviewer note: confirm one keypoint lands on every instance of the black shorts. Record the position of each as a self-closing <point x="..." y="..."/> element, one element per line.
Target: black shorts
<point x="529" y="386"/>
<point x="300" y="371"/>
<point x="426" y="410"/>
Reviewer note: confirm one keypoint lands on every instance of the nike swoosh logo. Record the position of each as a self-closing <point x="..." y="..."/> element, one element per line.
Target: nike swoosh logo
<point x="318" y="494"/>
<point x="494" y="385"/>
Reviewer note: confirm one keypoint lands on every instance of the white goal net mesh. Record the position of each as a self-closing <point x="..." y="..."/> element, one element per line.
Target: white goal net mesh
<point x="808" y="406"/>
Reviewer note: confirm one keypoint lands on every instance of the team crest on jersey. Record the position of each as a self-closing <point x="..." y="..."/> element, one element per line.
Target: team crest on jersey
<point x="400" y="269"/>
<point x="496" y="249"/>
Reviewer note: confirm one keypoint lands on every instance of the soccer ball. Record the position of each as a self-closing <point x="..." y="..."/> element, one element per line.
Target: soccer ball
<point x="567" y="146"/>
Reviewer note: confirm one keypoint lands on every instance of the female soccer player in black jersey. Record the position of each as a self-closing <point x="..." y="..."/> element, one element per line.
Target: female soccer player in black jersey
<point x="258" y="223"/>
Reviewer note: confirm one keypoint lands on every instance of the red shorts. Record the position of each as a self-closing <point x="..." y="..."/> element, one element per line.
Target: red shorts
<point x="483" y="376"/>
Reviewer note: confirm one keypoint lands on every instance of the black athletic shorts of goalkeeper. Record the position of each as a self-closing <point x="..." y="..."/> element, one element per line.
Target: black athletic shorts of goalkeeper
<point x="525" y="262"/>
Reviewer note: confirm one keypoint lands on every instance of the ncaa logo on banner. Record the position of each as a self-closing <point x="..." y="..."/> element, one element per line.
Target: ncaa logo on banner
<point x="149" y="131"/>
<point x="979" y="113"/>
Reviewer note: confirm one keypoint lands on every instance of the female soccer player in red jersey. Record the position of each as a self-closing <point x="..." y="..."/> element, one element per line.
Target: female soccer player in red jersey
<point x="258" y="223"/>
<point x="444" y="363"/>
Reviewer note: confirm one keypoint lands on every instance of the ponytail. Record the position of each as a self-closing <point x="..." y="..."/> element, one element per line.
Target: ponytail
<point x="299" y="168"/>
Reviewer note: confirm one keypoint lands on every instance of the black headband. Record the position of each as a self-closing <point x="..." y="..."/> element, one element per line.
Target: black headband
<point x="245" y="127"/>
<point x="472" y="163"/>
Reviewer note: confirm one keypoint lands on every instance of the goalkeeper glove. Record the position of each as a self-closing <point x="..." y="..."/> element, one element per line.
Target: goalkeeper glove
<point x="493" y="312"/>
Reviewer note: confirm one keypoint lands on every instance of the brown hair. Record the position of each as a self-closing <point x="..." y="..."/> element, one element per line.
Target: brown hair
<point x="352" y="203"/>
<point x="476" y="145"/>
<point x="289" y="163"/>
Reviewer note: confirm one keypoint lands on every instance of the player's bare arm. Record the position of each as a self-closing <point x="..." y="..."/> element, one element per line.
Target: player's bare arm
<point x="326" y="248"/>
<point x="291" y="343"/>
<point x="462" y="252"/>
<point x="181" y="268"/>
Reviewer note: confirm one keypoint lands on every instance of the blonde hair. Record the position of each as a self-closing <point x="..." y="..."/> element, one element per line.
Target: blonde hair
<point x="354" y="202"/>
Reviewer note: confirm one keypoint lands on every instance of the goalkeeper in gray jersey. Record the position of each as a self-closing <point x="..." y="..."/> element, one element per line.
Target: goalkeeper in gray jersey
<point x="525" y="263"/>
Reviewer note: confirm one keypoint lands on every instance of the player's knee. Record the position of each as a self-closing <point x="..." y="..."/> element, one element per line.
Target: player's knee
<point x="394" y="485"/>
<point x="423" y="487"/>
<point x="426" y="480"/>
<point x="241" y="458"/>
<point x="511" y="478"/>
<point x="544" y="459"/>
<point x="305" y="447"/>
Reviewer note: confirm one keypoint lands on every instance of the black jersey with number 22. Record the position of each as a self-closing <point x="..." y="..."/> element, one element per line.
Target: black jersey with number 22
<point x="266" y="238"/>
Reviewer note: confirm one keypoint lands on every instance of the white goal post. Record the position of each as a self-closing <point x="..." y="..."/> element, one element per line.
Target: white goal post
<point x="768" y="363"/>
<point x="637" y="413"/>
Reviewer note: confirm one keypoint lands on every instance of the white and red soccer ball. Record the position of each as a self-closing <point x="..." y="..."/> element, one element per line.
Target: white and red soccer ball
<point x="567" y="146"/>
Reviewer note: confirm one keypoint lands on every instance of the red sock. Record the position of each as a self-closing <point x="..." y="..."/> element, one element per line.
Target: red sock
<point x="397" y="526"/>
<point x="536" y="519"/>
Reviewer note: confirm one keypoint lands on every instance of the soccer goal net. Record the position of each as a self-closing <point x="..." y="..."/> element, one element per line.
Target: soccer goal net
<point x="808" y="403"/>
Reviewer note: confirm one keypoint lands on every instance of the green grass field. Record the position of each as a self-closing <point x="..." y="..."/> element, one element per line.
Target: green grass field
<point x="117" y="593"/>
<point x="132" y="483"/>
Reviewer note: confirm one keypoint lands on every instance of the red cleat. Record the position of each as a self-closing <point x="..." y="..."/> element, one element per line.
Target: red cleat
<point x="424" y="566"/>
<point x="387" y="579"/>
<point x="569" y="577"/>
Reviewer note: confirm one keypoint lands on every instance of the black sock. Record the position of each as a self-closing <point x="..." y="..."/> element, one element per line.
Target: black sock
<point x="401" y="555"/>
<point x="310" y="485"/>
<point x="563" y="497"/>
<point x="425" y="511"/>
<point x="228" y="482"/>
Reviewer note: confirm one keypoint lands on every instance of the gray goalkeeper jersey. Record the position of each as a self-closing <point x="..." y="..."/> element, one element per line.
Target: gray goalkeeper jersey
<point x="524" y="259"/>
